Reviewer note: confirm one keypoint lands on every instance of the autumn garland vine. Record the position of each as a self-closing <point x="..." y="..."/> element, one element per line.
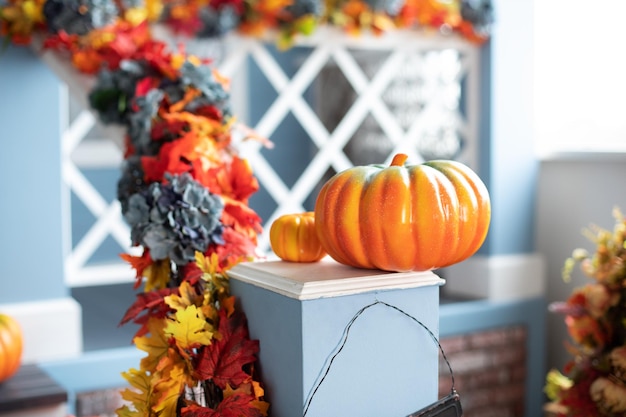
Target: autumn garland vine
<point x="471" y="19"/>
<point x="184" y="191"/>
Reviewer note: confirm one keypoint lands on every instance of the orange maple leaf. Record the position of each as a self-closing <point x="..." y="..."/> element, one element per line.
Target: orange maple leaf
<point x="235" y="179"/>
<point x="175" y="157"/>
<point x="241" y="217"/>
<point x="139" y="264"/>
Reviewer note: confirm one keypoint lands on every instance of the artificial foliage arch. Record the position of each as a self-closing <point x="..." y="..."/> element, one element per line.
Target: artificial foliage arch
<point x="184" y="188"/>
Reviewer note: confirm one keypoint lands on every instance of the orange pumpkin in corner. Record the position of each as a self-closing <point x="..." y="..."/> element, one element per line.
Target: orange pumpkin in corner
<point x="293" y="238"/>
<point x="403" y="217"/>
<point x="11" y="340"/>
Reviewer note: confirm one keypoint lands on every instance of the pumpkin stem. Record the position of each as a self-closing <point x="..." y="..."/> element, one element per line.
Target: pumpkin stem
<point x="398" y="160"/>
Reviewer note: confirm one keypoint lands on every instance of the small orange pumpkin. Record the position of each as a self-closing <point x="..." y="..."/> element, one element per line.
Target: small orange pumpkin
<point x="293" y="238"/>
<point x="403" y="218"/>
<point x="11" y="339"/>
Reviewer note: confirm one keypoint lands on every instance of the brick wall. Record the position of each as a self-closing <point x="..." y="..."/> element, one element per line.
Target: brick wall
<point x="489" y="369"/>
<point x="99" y="403"/>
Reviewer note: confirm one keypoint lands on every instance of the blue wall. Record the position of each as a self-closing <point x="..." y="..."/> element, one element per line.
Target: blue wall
<point x="31" y="266"/>
<point x="513" y="167"/>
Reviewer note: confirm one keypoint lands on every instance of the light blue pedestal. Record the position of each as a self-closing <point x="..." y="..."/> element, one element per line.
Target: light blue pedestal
<point x="389" y="364"/>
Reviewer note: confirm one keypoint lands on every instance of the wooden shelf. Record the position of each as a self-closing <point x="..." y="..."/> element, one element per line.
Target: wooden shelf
<point x="32" y="392"/>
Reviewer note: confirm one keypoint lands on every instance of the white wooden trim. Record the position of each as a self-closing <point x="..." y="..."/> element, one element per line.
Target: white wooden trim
<point x="498" y="278"/>
<point x="327" y="278"/>
<point x="59" y="410"/>
<point x="52" y="328"/>
<point x="100" y="153"/>
<point x="324" y="34"/>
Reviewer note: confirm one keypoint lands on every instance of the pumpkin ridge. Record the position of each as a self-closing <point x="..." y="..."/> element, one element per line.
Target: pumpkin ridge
<point x="339" y="242"/>
<point x="429" y="224"/>
<point x="482" y="210"/>
<point x="397" y="242"/>
<point x="358" y="255"/>
<point x="467" y="227"/>
<point x="375" y="244"/>
<point x="414" y="221"/>
<point x="452" y="221"/>
<point x="328" y="221"/>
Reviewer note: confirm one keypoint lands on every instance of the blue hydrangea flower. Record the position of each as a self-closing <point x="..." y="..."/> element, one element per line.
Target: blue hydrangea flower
<point x="176" y="219"/>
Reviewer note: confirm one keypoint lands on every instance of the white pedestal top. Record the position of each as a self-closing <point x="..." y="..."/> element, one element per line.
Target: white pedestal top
<point x="326" y="278"/>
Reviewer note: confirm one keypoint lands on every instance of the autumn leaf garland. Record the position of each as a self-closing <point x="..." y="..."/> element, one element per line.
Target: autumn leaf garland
<point x="184" y="192"/>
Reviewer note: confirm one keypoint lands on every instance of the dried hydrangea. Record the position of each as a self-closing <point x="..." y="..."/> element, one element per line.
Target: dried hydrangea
<point x="479" y="13"/>
<point x="391" y="7"/>
<point x="202" y="78"/>
<point x="140" y="122"/>
<point x="79" y="16"/>
<point x="218" y="21"/>
<point x="131" y="181"/>
<point x="176" y="219"/>
<point x="300" y="8"/>
<point x="114" y="91"/>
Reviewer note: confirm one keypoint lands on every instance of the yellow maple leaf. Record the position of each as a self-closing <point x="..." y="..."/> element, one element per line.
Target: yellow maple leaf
<point x="139" y="394"/>
<point x="125" y="411"/>
<point x="157" y="275"/>
<point x="168" y="388"/>
<point x="188" y="296"/>
<point x="208" y="265"/>
<point x="212" y="274"/>
<point x="155" y="344"/>
<point x="189" y="328"/>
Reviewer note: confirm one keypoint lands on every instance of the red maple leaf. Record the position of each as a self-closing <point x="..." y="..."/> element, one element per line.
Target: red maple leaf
<point x="223" y="361"/>
<point x="155" y="53"/>
<point x="61" y="41"/>
<point x="152" y="304"/>
<point x="212" y="112"/>
<point x="241" y="217"/>
<point x="237" y="247"/>
<point x="168" y="129"/>
<point x="192" y="273"/>
<point x="143" y="86"/>
<point x="174" y="157"/>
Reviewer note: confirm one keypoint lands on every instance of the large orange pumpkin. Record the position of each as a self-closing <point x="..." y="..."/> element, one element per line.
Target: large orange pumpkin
<point x="403" y="218"/>
<point x="10" y="346"/>
<point x="293" y="238"/>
